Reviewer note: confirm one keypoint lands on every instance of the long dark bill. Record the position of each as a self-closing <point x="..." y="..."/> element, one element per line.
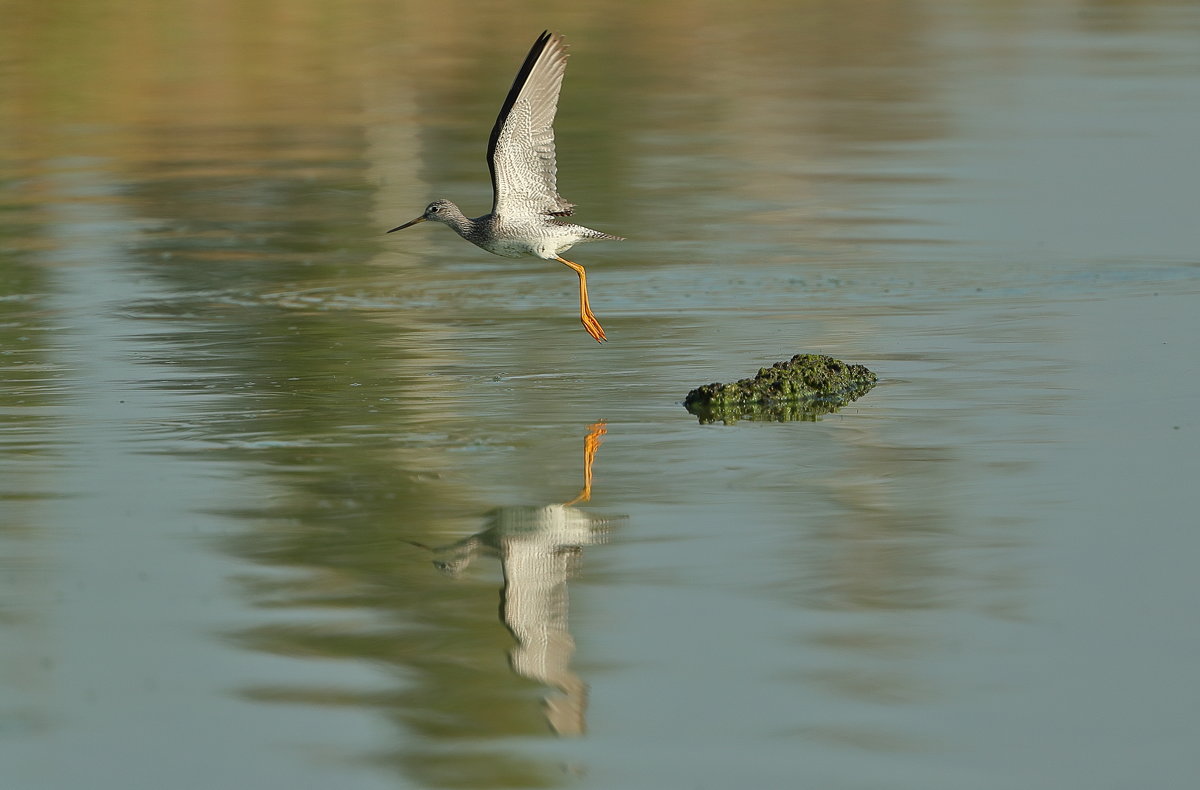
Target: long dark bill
<point x="408" y="225"/>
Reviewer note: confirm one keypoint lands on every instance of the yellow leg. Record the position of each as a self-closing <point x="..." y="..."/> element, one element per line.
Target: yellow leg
<point x="591" y="443"/>
<point x="585" y="311"/>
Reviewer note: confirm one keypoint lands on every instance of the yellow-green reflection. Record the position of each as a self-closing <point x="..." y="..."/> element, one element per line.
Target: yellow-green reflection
<point x="442" y="644"/>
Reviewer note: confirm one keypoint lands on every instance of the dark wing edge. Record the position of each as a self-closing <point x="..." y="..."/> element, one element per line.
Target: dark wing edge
<point x="535" y="53"/>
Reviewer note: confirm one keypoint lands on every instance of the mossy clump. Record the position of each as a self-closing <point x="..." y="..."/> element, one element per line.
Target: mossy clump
<point x="802" y="388"/>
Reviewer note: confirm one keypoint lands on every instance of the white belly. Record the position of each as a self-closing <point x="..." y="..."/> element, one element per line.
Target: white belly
<point x="540" y="239"/>
<point x="509" y="248"/>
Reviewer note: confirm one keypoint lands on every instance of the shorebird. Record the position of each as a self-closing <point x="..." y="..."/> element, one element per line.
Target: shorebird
<point x="526" y="206"/>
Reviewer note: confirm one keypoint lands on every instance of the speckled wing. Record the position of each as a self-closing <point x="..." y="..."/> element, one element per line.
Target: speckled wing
<point x="521" y="147"/>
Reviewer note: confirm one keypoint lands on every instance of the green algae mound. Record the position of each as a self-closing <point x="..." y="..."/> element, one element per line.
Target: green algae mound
<point x="802" y="388"/>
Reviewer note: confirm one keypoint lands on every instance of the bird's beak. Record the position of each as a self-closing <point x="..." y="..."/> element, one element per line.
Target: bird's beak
<point x="408" y="224"/>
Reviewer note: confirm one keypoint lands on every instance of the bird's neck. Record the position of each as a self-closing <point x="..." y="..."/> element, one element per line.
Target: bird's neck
<point x="462" y="224"/>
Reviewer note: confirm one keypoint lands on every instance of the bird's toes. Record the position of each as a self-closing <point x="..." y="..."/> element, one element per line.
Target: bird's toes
<point x="595" y="330"/>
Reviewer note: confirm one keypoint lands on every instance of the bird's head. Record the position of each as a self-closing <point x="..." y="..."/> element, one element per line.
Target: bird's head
<point x="438" y="211"/>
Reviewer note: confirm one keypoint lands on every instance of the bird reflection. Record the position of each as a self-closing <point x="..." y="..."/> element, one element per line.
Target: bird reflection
<point x="540" y="548"/>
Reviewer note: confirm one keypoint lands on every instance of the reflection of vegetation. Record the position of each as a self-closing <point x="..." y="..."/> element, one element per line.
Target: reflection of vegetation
<point x="32" y="382"/>
<point x="348" y="534"/>
<point x="802" y="388"/>
<point x="302" y="374"/>
<point x="341" y="580"/>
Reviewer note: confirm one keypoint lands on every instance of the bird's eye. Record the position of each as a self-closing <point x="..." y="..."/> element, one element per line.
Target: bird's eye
<point x="433" y="209"/>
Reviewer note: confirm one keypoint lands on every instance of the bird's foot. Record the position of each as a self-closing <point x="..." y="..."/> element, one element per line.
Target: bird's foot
<point x="593" y="326"/>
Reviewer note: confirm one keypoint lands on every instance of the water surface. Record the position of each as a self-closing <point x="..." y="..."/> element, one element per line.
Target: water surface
<point x="288" y="502"/>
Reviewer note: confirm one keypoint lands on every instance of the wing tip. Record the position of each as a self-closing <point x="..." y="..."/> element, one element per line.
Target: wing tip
<point x="548" y="38"/>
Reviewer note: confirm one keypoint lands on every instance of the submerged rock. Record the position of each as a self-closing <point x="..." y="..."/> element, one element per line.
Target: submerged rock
<point x="802" y="388"/>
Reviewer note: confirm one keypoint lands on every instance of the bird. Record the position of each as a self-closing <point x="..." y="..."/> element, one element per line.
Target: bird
<point x="527" y="211"/>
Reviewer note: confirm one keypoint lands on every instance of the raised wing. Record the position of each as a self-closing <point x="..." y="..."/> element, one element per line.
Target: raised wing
<point x="521" y="147"/>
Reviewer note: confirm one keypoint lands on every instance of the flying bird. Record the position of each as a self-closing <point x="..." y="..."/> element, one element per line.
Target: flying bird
<point x="527" y="211"/>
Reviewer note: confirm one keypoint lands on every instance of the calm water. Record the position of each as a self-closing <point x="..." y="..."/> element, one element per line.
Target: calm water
<point x="289" y="503"/>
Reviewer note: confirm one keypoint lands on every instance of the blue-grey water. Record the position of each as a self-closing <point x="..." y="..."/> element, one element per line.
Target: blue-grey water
<point x="286" y="502"/>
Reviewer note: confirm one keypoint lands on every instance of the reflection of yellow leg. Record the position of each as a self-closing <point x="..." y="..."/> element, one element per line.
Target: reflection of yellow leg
<point x="585" y="310"/>
<point x="590" y="445"/>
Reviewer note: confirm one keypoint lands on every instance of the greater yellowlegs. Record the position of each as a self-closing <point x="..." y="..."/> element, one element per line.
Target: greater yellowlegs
<point x="525" y="203"/>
